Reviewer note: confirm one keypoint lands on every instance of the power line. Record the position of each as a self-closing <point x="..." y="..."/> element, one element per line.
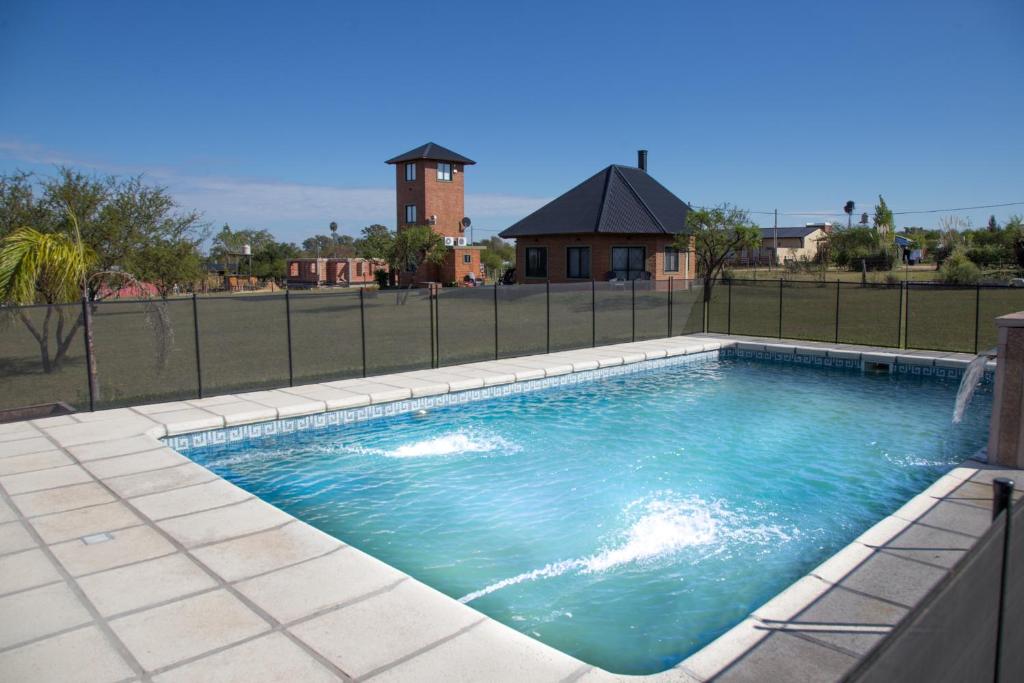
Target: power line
<point x="895" y="213"/>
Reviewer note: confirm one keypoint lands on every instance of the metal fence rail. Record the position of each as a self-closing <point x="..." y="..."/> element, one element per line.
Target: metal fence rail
<point x="969" y="627"/>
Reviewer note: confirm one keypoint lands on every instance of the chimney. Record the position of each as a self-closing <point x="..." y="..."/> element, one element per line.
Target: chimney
<point x="641" y="159"/>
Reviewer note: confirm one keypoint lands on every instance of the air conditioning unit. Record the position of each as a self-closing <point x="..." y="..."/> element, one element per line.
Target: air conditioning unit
<point x="462" y="242"/>
<point x="449" y="241"/>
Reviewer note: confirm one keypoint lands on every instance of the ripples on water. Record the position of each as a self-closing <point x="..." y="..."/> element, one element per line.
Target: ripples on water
<point x="627" y="521"/>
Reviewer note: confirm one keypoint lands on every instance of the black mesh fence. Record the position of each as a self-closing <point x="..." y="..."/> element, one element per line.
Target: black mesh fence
<point x="754" y="307"/>
<point x="326" y="334"/>
<point x="465" y="324"/>
<point x="573" y="307"/>
<point x="651" y="307"/>
<point x="992" y="303"/>
<point x="870" y="314"/>
<point x="940" y="318"/>
<point x="42" y="356"/>
<point x="687" y="307"/>
<point x="523" y="319"/>
<point x="613" y="306"/>
<point x="145" y="352"/>
<point x="399" y="330"/>
<point x="243" y="343"/>
<point x="719" y="308"/>
<point x="809" y="310"/>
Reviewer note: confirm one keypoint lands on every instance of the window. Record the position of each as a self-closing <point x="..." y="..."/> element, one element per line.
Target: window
<point x="577" y="262"/>
<point x="410" y="172"/>
<point x="410" y="213"/>
<point x="444" y="170"/>
<point x="467" y="258"/>
<point x="536" y="262"/>
<point x="359" y="268"/>
<point x="628" y="262"/>
<point x="293" y="269"/>
<point x="671" y="260"/>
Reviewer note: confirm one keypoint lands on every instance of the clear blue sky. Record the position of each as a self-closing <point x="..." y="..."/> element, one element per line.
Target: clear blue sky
<point x="281" y="115"/>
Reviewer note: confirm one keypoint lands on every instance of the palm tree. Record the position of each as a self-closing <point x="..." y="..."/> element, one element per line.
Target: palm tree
<point x="49" y="268"/>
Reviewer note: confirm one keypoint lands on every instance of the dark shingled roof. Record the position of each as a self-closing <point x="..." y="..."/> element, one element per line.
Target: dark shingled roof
<point x="801" y="231"/>
<point x="619" y="199"/>
<point x="433" y="152"/>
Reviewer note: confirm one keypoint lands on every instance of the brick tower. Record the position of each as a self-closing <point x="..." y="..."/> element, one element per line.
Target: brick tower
<point x="430" y="190"/>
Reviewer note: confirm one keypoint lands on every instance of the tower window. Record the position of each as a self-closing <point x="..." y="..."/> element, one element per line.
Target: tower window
<point x="410" y="213"/>
<point x="467" y="258"/>
<point x="410" y="172"/>
<point x="444" y="171"/>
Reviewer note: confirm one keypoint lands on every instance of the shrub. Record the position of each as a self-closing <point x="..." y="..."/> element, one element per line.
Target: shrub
<point x="989" y="254"/>
<point x="958" y="269"/>
<point x="381" y="276"/>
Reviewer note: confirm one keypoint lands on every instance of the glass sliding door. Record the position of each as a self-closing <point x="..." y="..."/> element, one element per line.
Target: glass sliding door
<point x="628" y="262"/>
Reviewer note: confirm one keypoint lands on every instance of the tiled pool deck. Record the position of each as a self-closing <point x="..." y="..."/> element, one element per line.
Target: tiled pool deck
<point x="120" y="559"/>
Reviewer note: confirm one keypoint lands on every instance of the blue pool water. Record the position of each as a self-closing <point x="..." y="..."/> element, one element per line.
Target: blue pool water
<point x="626" y="521"/>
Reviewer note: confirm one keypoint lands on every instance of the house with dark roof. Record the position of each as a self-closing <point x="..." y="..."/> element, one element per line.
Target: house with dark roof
<point x="620" y="223"/>
<point x="786" y="244"/>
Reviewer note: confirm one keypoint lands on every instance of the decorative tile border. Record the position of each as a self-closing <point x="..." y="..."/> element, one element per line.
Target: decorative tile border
<point x="216" y="437"/>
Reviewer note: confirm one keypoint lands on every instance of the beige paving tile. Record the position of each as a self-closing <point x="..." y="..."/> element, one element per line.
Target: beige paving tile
<point x="26" y="569"/>
<point x="287" y="405"/>
<point x="145" y="583"/>
<point x="54" y="421"/>
<point x="144" y="483"/>
<point x="272" y="657"/>
<point x="14" y="431"/>
<point x="334" y="399"/>
<point x="188" y="420"/>
<point x="170" y="633"/>
<point x="137" y="462"/>
<point x="190" y="499"/>
<point x="128" y="545"/>
<point x="93" y="432"/>
<point x="378" y="393"/>
<point x="114" y="447"/>
<point x="62" y="499"/>
<point x="44" y="479"/>
<point x="14" y="537"/>
<point x="385" y="628"/>
<point x="7" y="513"/>
<point x="112" y="414"/>
<point x="221" y="524"/>
<point x="294" y="592"/>
<point x="474" y="656"/>
<point x="210" y="401"/>
<point x="243" y="412"/>
<point x="166" y="407"/>
<point x="83" y="655"/>
<point x="33" y="461"/>
<point x="64" y="526"/>
<point x="243" y="557"/>
<point x="9" y="449"/>
<point x="39" y="612"/>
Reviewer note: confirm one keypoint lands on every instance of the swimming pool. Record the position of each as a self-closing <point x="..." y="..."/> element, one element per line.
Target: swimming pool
<point x="630" y="520"/>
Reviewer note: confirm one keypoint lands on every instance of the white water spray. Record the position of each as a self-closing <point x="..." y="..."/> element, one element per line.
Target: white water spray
<point x="969" y="383"/>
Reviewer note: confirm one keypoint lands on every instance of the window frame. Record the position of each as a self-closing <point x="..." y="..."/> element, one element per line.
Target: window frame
<point x="450" y="166"/>
<point x="568" y="262"/>
<point x="526" y="263"/>
<point x="410" y="221"/>
<point x="467" y="258"/>
<point x="410" y="171"/>
<point x="629" y="271"/>
<point x="674" y="253"/>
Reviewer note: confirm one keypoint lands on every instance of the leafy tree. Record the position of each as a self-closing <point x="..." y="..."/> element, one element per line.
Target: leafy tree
<point x="713" y="235"/>
<point x="271" y="261"/>
<point x="497" y="255"/>
<point x="884" y="220"/>
<point x="993" y="224"/>
<point x="336" y="246"/>
<point x="958" y="269"/>
<point x="228" y="244"/>
<point x="412" y="247"/>
<point x="166" y="264"/>
<point x="376" y="242"/>
<point x="19" y="207"/>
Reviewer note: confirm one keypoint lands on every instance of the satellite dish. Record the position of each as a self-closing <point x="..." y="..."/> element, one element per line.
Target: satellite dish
<point x="466" y="222"/>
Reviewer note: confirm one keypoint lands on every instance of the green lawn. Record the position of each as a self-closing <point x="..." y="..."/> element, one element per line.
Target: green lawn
<point x="244" y="340"/>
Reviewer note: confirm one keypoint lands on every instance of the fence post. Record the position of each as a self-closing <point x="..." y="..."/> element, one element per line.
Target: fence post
<point x="547" y="307"/>
<point x="430" y="312"/>
<point x="670" y="307"/>
<point x="90" y="360"/>
<point x="838" y="287"/>
<point x="288" y="320"/>
<point x="780" y="308"/>
<point x="495" y="320"/>
<point x="593" y="312"/>
<point x="633" y="306"/>
<point x="728" y="315"/>
<point x="362" y="325"/>
<point x="904" y="341"/>
<point x="977" y="315"/>
<point x="1002" y="501"/>
<point x="199" y="363"/>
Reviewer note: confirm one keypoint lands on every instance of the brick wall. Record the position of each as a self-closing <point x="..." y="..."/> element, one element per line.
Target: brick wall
<point x="600" y="255"/>
<point x="432" y="197"/>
